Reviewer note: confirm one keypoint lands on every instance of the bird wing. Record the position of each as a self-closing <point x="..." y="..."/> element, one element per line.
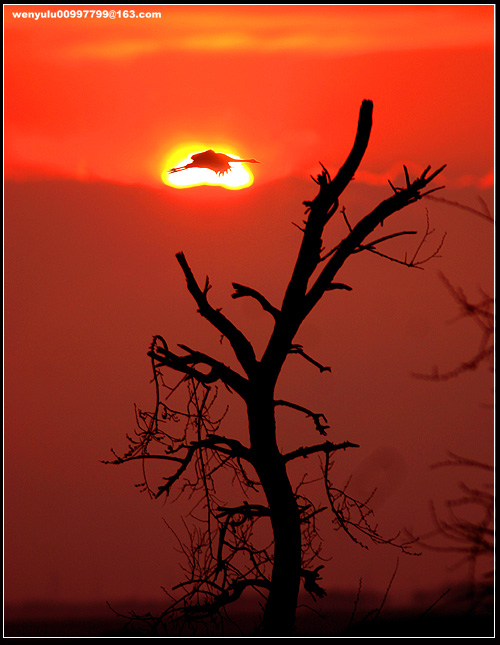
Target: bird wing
<point x="205" y="156"/>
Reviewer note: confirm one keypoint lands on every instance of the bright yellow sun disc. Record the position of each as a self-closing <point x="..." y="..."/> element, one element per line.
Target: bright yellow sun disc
<point x="238" y="177"/>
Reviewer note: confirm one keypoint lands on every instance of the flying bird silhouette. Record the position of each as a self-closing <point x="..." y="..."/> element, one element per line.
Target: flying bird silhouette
<point x="216" y="161"/>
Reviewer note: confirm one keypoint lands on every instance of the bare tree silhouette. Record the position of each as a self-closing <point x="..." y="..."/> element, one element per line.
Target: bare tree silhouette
<point x="465" y="524"/>
<point x="481" y="311"/>
<point x="235" y="551"/>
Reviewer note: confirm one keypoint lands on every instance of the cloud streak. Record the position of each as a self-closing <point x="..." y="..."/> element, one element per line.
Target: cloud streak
<point x="333" y="30"/>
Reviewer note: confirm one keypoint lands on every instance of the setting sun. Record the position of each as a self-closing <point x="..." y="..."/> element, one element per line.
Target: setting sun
<point x="181" y="170"/>
<point x="109" y="112"/>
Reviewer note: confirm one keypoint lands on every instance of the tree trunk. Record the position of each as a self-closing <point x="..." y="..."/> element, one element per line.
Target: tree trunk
<point x="279" y="613"/>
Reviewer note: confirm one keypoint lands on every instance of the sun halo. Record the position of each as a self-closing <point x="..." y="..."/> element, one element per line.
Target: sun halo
<point x="237" y="178"/>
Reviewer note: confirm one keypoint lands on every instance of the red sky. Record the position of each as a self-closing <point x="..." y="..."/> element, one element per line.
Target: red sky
<point x="94" y="108"/>
<point x="111" y="98"/>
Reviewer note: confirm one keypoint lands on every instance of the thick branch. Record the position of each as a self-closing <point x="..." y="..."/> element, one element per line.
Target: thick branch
<point x="298" y="349"/>
<point x="326" y="202"/>
<point x="234" y="447"/>
<point x="371" y="245"/>
<point x="322" y="208"/>
<point x="245" y="511"/>
<point x="240" y="344"/>
<point x="189" y="364"/>
<point x="316" y="416"/>
<point x="311" y="582"/>
<point x="338" y="285"/>
<point x="242" y="291"/>
<point x="402" y="197"/>
<point x="326" y="448"/>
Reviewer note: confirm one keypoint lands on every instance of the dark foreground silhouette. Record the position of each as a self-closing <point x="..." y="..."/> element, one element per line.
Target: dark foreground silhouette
<point x="226" y="561"/>
<point x="348" y="618"/>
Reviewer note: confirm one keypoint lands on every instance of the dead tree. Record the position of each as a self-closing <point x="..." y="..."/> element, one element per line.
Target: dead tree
<point x="482" y="311"/>
<point x="465" y="524"/>
<point x="223" y="563"/>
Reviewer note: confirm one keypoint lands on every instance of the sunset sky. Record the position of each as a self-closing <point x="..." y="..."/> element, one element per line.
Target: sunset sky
<point x="95" y="110"/>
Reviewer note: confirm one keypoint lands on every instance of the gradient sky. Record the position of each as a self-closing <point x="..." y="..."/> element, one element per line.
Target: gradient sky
<point x="112" y="98"/>
<point x="95" y="109"/>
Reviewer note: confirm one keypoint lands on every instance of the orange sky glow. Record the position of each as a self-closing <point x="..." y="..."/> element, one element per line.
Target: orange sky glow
<point x="96" y="111"/>
<point x="113" y="98"/>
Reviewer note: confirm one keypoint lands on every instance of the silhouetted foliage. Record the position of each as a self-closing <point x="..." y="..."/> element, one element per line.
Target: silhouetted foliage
<point x="267" y="541"/>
